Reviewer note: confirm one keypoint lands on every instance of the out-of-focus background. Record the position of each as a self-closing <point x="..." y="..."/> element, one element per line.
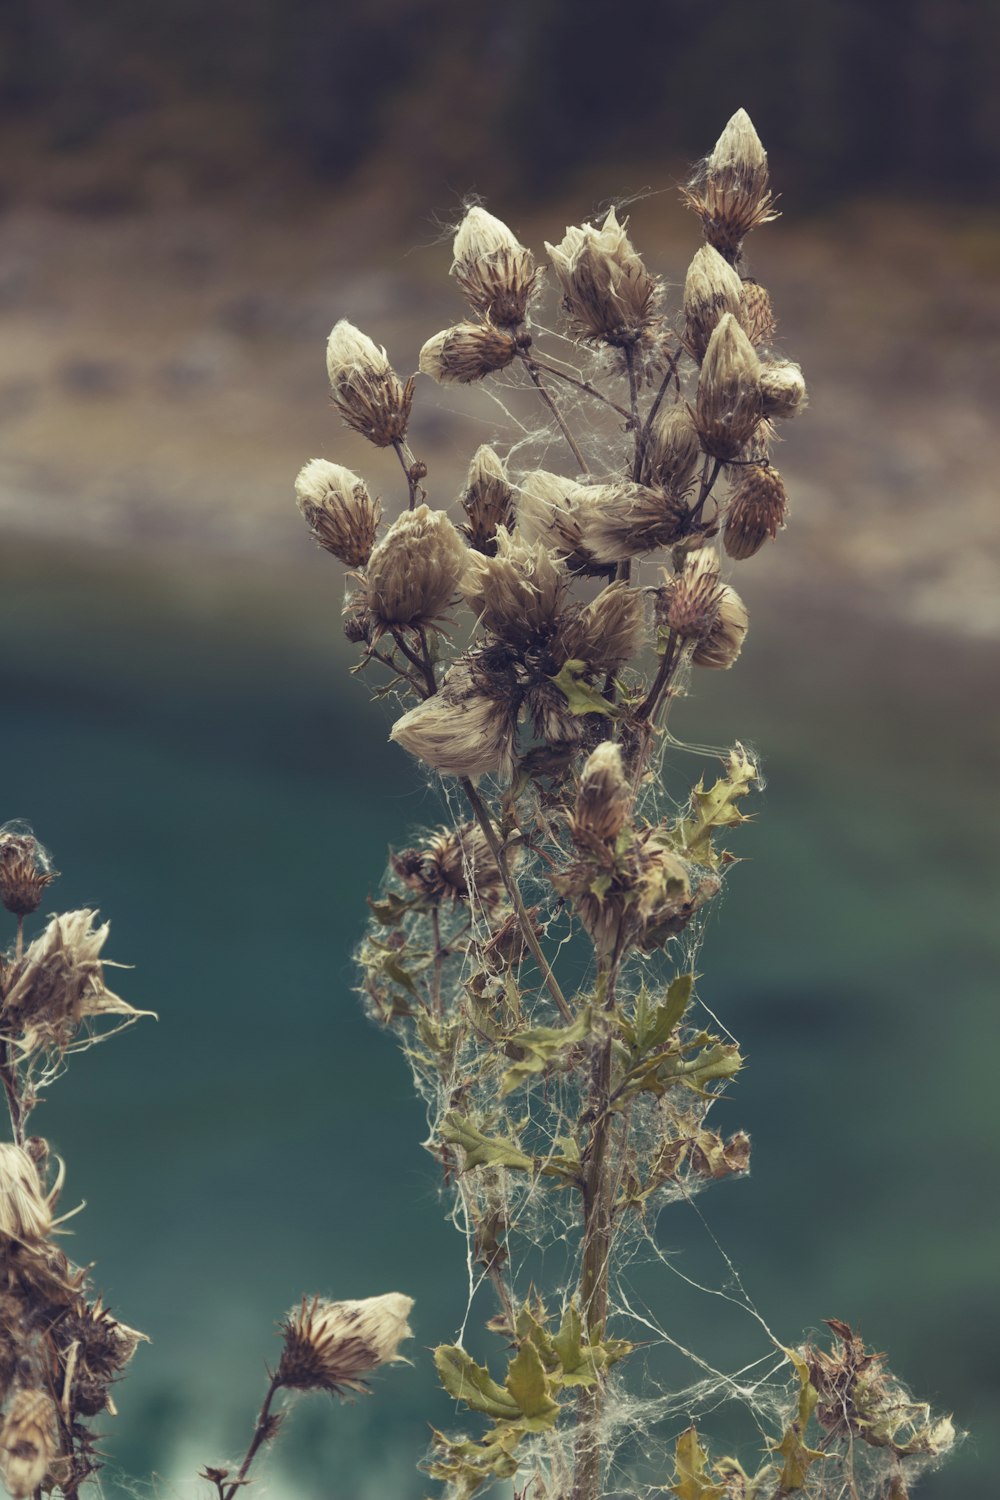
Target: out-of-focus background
<point x="190" y="195"/>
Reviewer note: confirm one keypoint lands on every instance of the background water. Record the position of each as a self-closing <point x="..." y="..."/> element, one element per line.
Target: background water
<point x="188" y="745"/>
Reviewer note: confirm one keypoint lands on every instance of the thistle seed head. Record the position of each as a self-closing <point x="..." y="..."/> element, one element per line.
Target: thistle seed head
<point x="603" y="798"/>
<point x="496" y="273"/>
<point x="453" y="864"/>
<point x="28" y="1442"/>
<point x="467" y="352"/>
<point x="673" y="451"/>
<point x="25" y="869"/>
<point x="608" y="295"/>
<point x="414" y="572"/>
<point x="711" y="288"/>
<point x="606" y="633"/>
<point x="517" y="593"/>
<point x="757" y="508"/>
<point x="335" y="1346"/>
<point x="782" y="388"/>
<point x="338" y="510"/>
<point x="757" y="315"/>
<point x="619" y="521"/>
<point x="25" y="1211"/>
<point x="367" y="392"/>
<point x="692" y="597"/>
<point x="730" y="193"/>
<point x="103" y="1348"/>
<point x="724" y="642"/>
<point x="467" y="728"/>
<point x="488" y="501"/>
<point x="547" y="506"/>
<point x="728" y="407"/>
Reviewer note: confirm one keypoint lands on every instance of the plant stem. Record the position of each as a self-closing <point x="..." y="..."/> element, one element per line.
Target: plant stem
<point x="581" y="385"/>
<point x="658" y="402"/>
<point x="15" y="1106"/>
<point x="409" y="465"/>
<point x="633" y="396"/>
<point x="263" y="1432"/>
<point x="536" y="379"/>
<point x="516" y="900"/>
<point x="708" y="478"/>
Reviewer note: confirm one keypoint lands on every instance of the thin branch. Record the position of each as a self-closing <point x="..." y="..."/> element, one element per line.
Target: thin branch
<point x="532" y="369"/>
<point x="581" y="385"/>
<point x="267" y="1425"/>
<point x="412" y="468"/>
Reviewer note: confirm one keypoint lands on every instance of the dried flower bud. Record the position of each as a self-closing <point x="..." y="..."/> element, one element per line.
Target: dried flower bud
<point x="25" y="869"/>
<point x="335" y="1346"/>
<point x="467" y="727"/>
<point x="453" y="864"/>
<point x="603" y="797"/>
<point x="723" y="644"/>
<point x="757" y="315"/>
<point x="757" y="509"/>
<point x="547" y="512"/>
<point x="728" y="405"/>
<point x="605" y="633"/>
<point x="619" y="521"/>
<point x="518" y="593"/>
<point x="782" y="388"/>
<point x="551" y="718"/>
<point x="25" y="1211"/>
<point x="730" y="193"/>
<point x="367" y="392"/>
<point x="59" y="985"/>
<point x="338" y="510"/>
<point x="415" y="570"/>
<point x="467" y="352"/>
<point x="673" y="451"/>
<point x="103" y="1348"/>
<point x="28" y="1442"/>
<point x="691" y="599"/>
<point x="496" y="273"/>
<point x="608" y="294"/>
<point x="488" y="501"/>
<point x="711" y="288"/>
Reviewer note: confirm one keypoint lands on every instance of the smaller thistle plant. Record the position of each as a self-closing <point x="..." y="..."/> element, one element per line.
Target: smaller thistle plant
<point x="536" y="954"/>
<point x="61" y="1349"/>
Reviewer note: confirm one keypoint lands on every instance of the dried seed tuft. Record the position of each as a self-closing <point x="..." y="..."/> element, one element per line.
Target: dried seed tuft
<point x="338" y="510"/>
<point x="467" y="352"/>
<point x="367" y="392"/>
<point x="335" y="1346"/>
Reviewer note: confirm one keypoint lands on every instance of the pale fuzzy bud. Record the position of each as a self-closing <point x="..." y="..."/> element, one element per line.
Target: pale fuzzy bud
<point x="28" y="1442"/>
<point x="335" y="1346"/>
<point x="608" y="294"/>
<point x="603" y="797"/>
<point x="730" y="193"/>
<point x="338" y="510"/>
<point x="723" y="644"/>
<point x="25" y="1213"/>
<point x="467" y="727"/>
<point x="517" y="593"/>
<point x="59" y="984"/>
<point x="711" y="288"/>
<point x="605" y="633"/>
<point x="488" y="501"/>
<point x="367" y="392"/>
<point x="728" y="406"/>
<point x="551" y="719"/>
<point x="782" y="388"/>
<point x="25" y="869"/>
<point x="467" y="352"/>
<point x="547" y="512"/>
<point x="757" y="315"/>
<point x="619" y="521"/>
<point x="757" y="508"/>
<point x="495" y="271"/>
<point x="414" y="572"/>
<point x="692" y="598"/>
<point x="673" y="451"/>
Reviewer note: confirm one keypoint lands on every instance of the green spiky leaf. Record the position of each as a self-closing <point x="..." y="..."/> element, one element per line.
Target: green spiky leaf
<point x="581" y="697"/>
<point x="466" y="1381"/>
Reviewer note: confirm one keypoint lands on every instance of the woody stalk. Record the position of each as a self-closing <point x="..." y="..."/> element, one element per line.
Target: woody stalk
<point x="535" y="954"/>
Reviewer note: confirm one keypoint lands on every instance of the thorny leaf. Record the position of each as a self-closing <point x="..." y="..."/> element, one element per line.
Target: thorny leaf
<point x="652" y="1026"/>
<point x="716" y="808"/>
<point x="530" y="1326"/>
<point x="391" y="911"/>
<point x="691" y="1481"/>
<point x="467" y="1465"/>
<point x="466" y="1381"/>
<point x="544" y="1047"/>
<point x="529" y="1387"/>
<point x="482" y="1150"/>
<point x="580" y="697"/>
<point x="798" y="1458"/>
<point x="583" y="1362"/>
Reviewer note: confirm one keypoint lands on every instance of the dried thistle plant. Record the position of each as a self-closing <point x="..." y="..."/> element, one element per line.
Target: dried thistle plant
<point x="569" y="1096"/>
<point x="61" y="1349"/>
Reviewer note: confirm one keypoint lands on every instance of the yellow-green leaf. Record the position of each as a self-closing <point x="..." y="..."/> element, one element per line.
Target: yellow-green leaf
<point x="580" y="697"/>
<point x="529" y="1387"/>
<point x="482" y="1150"/>
<point x="691" y="1480"/>
<point x="466" y="1381"/>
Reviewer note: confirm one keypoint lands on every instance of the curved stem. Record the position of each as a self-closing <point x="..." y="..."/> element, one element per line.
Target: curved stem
<point x="267" y="1426"/>
<point x="581" y="385"/>
<point x="532" y="369"/>
<point x="409" y="466"/>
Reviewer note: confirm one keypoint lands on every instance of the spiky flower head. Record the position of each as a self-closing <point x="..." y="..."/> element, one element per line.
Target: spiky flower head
<point x="28" y="1442"/>
<point x="724" y="642"/>
<point x="103" y="1348"/>
<point x="335" y="1346"/>
<point x="496" y="273"/>
<point x="728" y="406"/>
<point x="606" y="632"/>
<point x="608" y="294"/>
<point x="730" y="193"/>
<point x="547" y="506"/>
<point x="455" y="864"/>
<point x="623" y="520"/>
<point x="367" y="392"/>
<point x="711" y="288"/>
<point x="338" y="510"/>
<point x="757" y="315"/>
<point x="59" y="985"/>
<point x="517" y="593"/>
<point x="757" y="508"/>
<point x="467" y="728"/>
<point x="467" y="352"/>
<point x="690" y="600"/>
<point x="488" y="501"/>
<point x="603" y="797"/>
<point x="673" y="451"/>
<point x="414" y="572"/>
<point x="782" y="388"/>
<point x="25" y="869"/>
